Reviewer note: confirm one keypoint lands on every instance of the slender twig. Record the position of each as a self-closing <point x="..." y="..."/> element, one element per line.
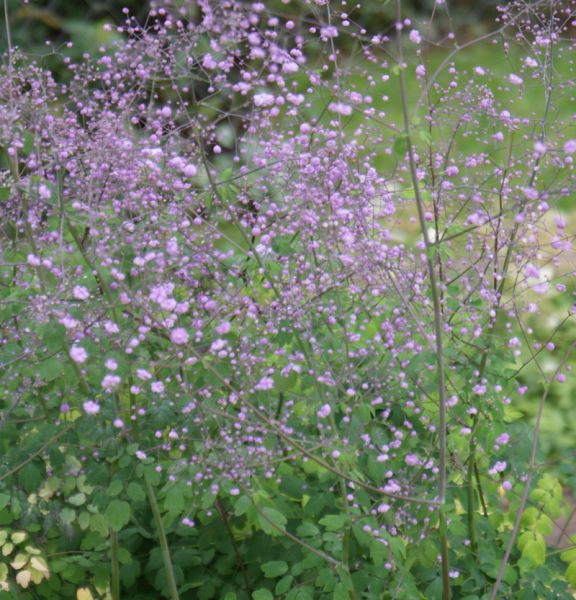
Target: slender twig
<point x="35" y="454"/>
<point x="565" y="527"/>
<point x="239" y="560"/>
<point x="168" y="568"/>
<point x="114" y="566"/>
<point x="329" y="559"/>
<point x="430" y="250"/>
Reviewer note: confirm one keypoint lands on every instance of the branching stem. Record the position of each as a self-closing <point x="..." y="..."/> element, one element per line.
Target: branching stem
<point x="430" y="250"/>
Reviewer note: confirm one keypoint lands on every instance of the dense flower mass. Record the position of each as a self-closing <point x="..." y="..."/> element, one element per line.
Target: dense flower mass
<point x="224" y="252"/>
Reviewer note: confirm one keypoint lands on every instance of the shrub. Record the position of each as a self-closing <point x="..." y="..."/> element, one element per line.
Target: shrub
<point x="266" y="286"/>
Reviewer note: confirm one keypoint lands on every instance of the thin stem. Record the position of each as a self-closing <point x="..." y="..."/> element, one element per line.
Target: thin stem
<point x="8" y="34"/>
<point x="430" y="250"/>
<point x="239" y="560"/>
<point x="565" y="527"/>
<point x="35" y="454"/>
<point x="168" y="568"/>
<point x="480" y="492"/>
<point x="471" y="501"/>
<point x="329" y="559"/>
<point x="115" y="566"/>
<point x="446" y="593"/>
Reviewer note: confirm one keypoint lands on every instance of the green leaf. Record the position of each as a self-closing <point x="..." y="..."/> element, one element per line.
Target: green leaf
<point x="270" y="518"/>
<point x="4" y="499"/>
<point x="67" y="516"/>
<point x="242" y="505"/>
<point x="334" y="522"/>
<point x="284" y="584"/>
<point x="282" y="245"/>
<point x="398" y="547"/>
<point x="135" y="492"/>
<point x="51" y="368"/>
<point x="30" y="477"/>
<point x="544" y="525"/>
<point x="510" y="576"/>
<point x="529" y="517"/>
<point x="28" y="142"/>
<point x="303" y="593"/>
<point x="571" y="574"/>
<point x="77" y="499"/>
<point x="53" y="335"/>
<point x="434" y="590"/>
<point x="118" y="514"/>
<point x="262" y="594"/>
<point x="539" y="496"/>
<point x="523" y="539"/>
<point x="115" y="487"/>
<point x="340" y="592"/>
<point x="427" y="553"/>
<point x="174" y="502"/>
<point x="84" y="520"/>
<point x="567" y="556"/>
<point x="124" y="556"/>
<point x="99" y="524"/>
<point x="535" y="552"/>
<point x="5" y="193"/>
<point x="307" y="530"/>
<point x="274" y="568"/>
<point x="378" y="552"/>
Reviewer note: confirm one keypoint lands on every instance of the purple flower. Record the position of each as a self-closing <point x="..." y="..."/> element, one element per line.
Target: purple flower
<point x="263" y="100"/>
<point x="80" y="292"/>
<point x="266" y="383"/>
<point x="110" y="382"/>
<point x="412" y="460"/>
<point x="415" y="36"/>
<point x="78" y="354"/>
<point x="179" y="336"/>
<point x="157" y="387"/>
<point x="91" y="407"/>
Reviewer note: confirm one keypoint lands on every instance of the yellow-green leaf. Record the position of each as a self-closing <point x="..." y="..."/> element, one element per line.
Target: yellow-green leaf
<point x="18" y="537"/>
<point x="19" y="561"/>
<point x="84" y="594"/>
<point x="7" y="549"/>
<point x="535" y="552"/>
<point x="571" y="574"/>
<point x="23" y="578"/>
<point x="38" y="563"/>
